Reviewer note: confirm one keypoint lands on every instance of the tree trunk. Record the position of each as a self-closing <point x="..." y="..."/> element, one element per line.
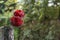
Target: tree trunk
<point x="6" y="33"/>
<point x="1" y="33"/>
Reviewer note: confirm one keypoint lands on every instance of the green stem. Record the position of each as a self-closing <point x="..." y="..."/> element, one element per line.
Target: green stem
<point x="19" y="32"/>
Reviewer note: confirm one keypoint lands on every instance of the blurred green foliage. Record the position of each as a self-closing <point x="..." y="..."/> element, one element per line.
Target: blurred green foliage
<point x="41" y="22"/>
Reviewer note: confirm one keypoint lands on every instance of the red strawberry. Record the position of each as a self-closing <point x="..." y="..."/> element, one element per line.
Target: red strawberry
<point x="16" y="21"/>
<point x="19" y="13"/>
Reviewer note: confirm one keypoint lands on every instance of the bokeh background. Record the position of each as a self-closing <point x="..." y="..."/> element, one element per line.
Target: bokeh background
<point x="41" y="20"/>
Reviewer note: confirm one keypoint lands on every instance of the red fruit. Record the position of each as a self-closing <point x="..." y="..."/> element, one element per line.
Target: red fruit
<point x="16" y="21"/>
<point x="19" y="13"/>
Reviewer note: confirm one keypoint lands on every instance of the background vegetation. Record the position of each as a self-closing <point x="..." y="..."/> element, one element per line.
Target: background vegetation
<point x="41" y="21"/>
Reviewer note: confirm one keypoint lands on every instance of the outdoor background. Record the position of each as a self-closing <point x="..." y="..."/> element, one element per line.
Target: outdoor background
<point x="41" y="20"/>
